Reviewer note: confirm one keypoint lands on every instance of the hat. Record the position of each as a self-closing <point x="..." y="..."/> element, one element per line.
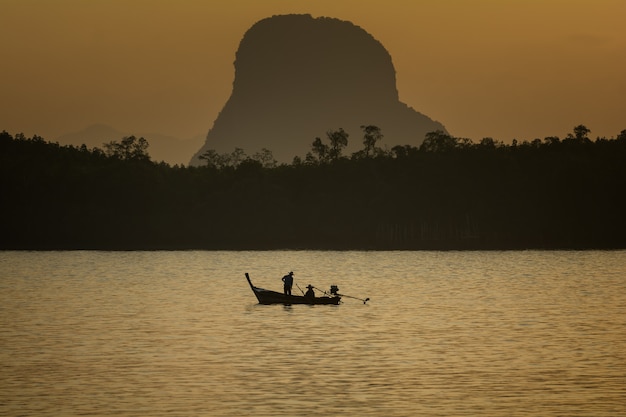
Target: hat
<point x="309" y="286"/>
<point x="291" y="273"/>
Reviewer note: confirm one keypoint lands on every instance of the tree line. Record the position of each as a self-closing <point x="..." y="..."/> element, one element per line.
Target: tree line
<point x="447" y="193"/>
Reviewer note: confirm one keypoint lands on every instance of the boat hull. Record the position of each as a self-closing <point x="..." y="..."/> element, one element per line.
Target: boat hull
<point x="274" y="297"/>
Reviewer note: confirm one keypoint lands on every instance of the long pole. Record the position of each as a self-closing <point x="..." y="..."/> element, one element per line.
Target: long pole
<point x="324" y="292"/>
<point x="343" y="295"/>
<point x="356" y="298"/>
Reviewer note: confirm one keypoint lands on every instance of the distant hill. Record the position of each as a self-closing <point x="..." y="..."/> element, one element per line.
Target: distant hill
<point x="162" y="148"/>
<point x="297" y="77"/>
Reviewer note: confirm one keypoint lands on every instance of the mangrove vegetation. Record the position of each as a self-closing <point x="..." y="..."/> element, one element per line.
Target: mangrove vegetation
<point x="448" y="193"/>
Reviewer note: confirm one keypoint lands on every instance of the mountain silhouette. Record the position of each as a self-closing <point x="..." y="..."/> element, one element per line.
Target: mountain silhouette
<point x="296" y="77"/>
<point x="162" y="148"/>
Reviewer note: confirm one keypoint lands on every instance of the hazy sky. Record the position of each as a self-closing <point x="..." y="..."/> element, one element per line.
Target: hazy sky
<point x="499" y="68"/>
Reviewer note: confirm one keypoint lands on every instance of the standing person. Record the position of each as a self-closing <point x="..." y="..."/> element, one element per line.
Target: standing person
<point x="288" y="280"/>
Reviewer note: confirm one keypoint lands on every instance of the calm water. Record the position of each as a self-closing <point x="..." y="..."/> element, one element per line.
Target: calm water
<point x="444" y="334"/>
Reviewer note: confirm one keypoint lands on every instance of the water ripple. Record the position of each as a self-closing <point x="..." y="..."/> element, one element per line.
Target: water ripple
<point x="445" y="334"/>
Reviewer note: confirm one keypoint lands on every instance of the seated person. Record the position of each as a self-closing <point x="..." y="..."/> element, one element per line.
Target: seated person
<point x="310" y="293"/>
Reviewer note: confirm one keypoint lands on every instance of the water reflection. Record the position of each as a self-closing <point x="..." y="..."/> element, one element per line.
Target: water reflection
<point x="180" y="333"/>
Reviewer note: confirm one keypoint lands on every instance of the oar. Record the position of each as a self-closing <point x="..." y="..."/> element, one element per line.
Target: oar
<point x="299" y="288"/>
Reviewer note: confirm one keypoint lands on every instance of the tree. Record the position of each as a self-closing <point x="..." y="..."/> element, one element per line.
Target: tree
<point x="297" y="161"/>
<point x="338" y="141"/>
<point x="266" y="158"/>
<point x="212" y="158"/>
<point x="371" y="135"/>
<point x="319" y="150"/>
<point x="130" y="148"/>
<point x="221" y="161"/>
<point x="490" y="143"/>
<point x="236" y="157"/>
<point x="438" y="141"/>
<point x="580" y="135"/>
<point x="404" y="151"/>
<point x="552" y="140"/>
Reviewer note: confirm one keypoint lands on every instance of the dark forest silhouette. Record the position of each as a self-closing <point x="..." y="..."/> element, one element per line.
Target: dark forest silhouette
<point x="448" y="193"/>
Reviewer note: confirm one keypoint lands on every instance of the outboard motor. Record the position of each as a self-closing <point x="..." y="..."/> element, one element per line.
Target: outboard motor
<point x="334" y="290"/>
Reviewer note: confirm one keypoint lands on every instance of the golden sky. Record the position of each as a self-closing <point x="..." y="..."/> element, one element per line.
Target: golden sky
<point x="484" y="68"/>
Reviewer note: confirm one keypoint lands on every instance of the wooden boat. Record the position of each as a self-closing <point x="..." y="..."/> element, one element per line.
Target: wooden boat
<point x="274" y="297"/>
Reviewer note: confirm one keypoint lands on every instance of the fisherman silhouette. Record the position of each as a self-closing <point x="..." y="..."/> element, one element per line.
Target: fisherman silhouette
<point x="288" y="280"/>
<point x="310" y="293"/>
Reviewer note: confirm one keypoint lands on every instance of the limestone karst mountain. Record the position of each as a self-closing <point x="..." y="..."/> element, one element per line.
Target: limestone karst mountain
<point x="296" y="77"/>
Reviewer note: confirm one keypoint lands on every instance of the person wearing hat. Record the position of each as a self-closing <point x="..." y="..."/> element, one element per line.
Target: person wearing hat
<point x="288" y="283"/>
<point x="310" y="293"/>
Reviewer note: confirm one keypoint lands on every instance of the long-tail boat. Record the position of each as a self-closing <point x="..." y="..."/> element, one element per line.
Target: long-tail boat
<point x="274" y="297"/>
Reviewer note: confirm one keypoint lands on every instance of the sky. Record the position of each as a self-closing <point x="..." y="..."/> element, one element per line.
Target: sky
<point x="505" y="69"/>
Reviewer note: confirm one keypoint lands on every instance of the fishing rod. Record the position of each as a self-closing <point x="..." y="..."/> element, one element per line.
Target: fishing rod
<point x="333" y="293"/>
<point x="299" y="288"/>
